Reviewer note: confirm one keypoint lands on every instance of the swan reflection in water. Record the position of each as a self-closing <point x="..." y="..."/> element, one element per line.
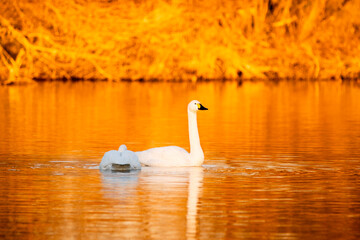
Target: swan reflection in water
<point x="158" y="194"/>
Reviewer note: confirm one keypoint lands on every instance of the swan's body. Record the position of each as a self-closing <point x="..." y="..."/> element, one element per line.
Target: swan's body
<point x="121" y="160"/>
<point x="173" y="156"/>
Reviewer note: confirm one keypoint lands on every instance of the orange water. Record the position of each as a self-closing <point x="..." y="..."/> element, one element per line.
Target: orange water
<point x="282" y="161"/>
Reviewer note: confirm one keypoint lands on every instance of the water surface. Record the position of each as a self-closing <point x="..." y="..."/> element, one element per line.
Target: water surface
<point x="282" y="161"/>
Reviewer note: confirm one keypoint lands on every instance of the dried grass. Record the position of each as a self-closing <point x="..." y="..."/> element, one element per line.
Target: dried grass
<point x="179" y="40"/>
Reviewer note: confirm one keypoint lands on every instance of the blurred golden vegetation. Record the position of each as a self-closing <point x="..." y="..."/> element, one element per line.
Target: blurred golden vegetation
<point x="179" y="39"/>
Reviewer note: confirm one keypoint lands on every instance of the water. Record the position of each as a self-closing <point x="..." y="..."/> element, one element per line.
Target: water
<point x="282" y="161"/>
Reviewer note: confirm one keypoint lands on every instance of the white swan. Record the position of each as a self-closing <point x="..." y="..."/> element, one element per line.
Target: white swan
<point x="122" y="160"/>
<point x="174" y="156"/>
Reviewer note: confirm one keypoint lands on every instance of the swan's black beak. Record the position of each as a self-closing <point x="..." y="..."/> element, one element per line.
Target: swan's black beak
<point x="201" y="107"/>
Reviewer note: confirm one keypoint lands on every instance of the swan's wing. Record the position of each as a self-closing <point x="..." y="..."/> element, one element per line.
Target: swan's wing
<point x="109" y="158"/>
<point x="131" y="158"/>
<point x="164" y="157"/>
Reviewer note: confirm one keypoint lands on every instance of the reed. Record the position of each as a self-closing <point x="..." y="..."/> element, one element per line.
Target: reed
<point x="179" y="40"/>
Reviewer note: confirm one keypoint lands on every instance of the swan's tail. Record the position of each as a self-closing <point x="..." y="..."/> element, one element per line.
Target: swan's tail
<point x="120" y="167"/>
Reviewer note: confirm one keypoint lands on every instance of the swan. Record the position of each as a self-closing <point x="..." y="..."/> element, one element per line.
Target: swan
<point x="121" y="160"/>
<point x="173" y="156"/>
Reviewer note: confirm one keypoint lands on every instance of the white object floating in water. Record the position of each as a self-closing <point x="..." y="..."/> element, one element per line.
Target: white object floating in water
<point x="173" y="156"/>
<point x="121" y="160"/>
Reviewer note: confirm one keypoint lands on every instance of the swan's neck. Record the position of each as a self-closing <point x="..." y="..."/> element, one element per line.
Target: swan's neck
<point x="196" y="152"/>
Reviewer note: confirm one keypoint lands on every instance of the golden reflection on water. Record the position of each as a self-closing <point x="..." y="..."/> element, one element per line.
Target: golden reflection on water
<point x="281" y="161"/>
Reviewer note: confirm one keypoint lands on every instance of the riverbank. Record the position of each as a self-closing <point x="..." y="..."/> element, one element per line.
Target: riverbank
<point x="157" y="40"/>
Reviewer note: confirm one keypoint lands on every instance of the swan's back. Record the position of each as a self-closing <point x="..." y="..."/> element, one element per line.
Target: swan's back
<point x="120" y="160"/>
<point x="171" y="156"/>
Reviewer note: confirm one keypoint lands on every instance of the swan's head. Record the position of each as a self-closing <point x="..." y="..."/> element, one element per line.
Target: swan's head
<point x="195" y="106"/>
<point x="122" y="148"/>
